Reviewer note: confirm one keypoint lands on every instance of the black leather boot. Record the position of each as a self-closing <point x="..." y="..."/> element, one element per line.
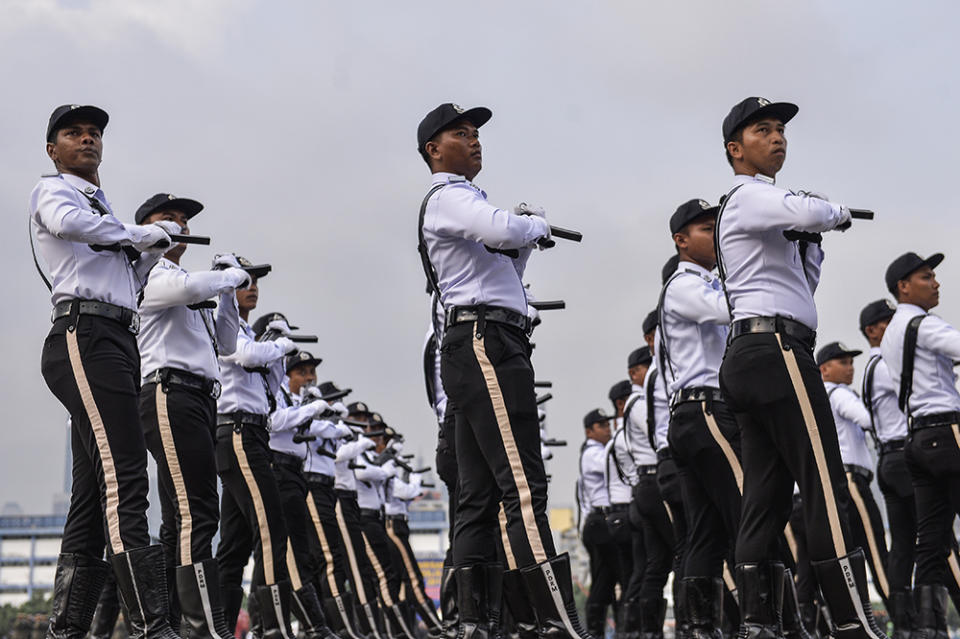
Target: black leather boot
<point x="843" y="583"/>
<point x="793" y="627"/>
<point x="142" y="584"/>
<point x="76" y="590"/>
<point x="515" y="597"/>
<point x="681" y="618"/>
<point x="309" y="612"/>
<point x="108" y="610"/>
<point x="931" y="604"/>
<point x="273" y="603"/>
<point x="338" y="617"/>
<point x="449" y="617"/>
<point x="903" y="614"/>
<point x="479" y="597"/>
<point x="810" y="615"/>
<point x="400" y="627"/>
<point x="629" y="621"/>
<point x="201" y="608"/>
<point x="703" y="603"/>
<point x="256" y="619"/>
<point x="232" y="601"/>
<point x="596" y="619"/>
<point x="760" y="587"/>
<point x="550" y="588"/>
<point x="652" y="613"/>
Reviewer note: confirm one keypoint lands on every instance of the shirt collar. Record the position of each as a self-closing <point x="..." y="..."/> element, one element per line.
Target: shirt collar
<point x="740" y="178"/>
<point x="874" y="350"/>
<point x="693" y="266"/>
<point x="910" y="307"/>
<point x="77" y="182"/>
<point x="443" y="177"/>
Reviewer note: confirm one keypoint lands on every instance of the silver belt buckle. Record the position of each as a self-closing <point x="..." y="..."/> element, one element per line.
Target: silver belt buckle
<point x="217" y="388"/>
<point x="135" y="323"/>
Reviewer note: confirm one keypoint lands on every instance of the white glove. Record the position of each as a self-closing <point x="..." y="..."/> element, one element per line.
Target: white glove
<point x="342" y="431"/>
<point x="525" y="209"/>
<point x="395" y="445"/>
<point x="280" y="326"/>
<point x="319" y="408"/>
<point x="844" y="222"/>
<point x="390" y="468"/>
<point x="340" y="409"/>
<point x="366" y="443"/>
<point x="146" y="237"/>
<point x="235" y="278"/>
<point x="286" y="344"/>
<point x="225" y="260"/>
<point x="533" y="314"/>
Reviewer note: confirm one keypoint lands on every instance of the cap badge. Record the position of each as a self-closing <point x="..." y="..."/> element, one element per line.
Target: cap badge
<point x="171" y="197"/>
<point x="843" y="347"/>
<point x="457" y="108"/>
<point x="704" y="205"/>
<point x="890" y="305"/>
<point x="763" y="102"/>
<point x="74" y="106"/>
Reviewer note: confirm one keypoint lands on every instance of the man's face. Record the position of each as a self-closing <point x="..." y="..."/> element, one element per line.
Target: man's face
<point x="302" y="375"/>
<point x="838" y="370"/>
<point x="648" y="338"/>
<point x="620" y="403"/>
<point x="247" y="297"/>
<point x="77" y="148"/>
<point x="875" y="331"/>
<point x="171" y="215"/>
<point x="457" y="150"/>
<point x="763" y="148"/>
<point x="638" y="373"/>
<point x="599" y="431"/>
<point x="696" y="240"/>
<point x="921" y="288"/>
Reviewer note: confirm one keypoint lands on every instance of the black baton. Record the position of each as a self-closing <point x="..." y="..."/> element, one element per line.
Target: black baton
<point x="861" y="214"/>
<point x="552" y="305"/>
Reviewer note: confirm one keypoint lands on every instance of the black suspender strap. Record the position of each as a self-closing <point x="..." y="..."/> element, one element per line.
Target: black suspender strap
<point x="909" y="354"/>
<point x="866" y="389"/>
<point x="651" y="418"/>
<point x="429" y="370"/>
<point x="428" y="269"/>
<point x="721" y="267"/>
<point x="664" y="352"/>
<point x="33" y="251"/>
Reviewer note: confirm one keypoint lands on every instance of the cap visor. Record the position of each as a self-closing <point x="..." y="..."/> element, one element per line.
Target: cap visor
<point x="188" y="206"/>
<point x="258" y="270"/>
<point x="783" y="111"/>
<point x="87" y="113"/>
<point x="478" y="116"/>
<point x="934" y="260"/>
<point x="343" y="392"/>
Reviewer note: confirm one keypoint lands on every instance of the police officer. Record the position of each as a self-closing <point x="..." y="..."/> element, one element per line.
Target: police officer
<point x="474" y="255"/>
<point x="620" y="476"/>
<point x="294" y="425"/>
<point x="251" y="514"/>
<point x="769" y="257"/>
<point x="703" y="434"/>
<point x="643" y="604"/>
<point x="919" y="349"/>
<point x="91" y="364"/>
<point x="179" y="343"/>
<point x="595" y="502"/>
<point x="853" y="423"/>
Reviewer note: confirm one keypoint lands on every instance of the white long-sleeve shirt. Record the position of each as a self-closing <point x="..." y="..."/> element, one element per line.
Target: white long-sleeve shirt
<point x="174" y="336"/>
<point x="852" y="420"/>
<point x="938" y="347"/>
<point x="635" y="430"/>
<point x="593" y="487"/>
<point x="347" y="451"/>
<point x="372" y="481"/>
<point x="618" y="461"/>
<point x="458" y="224"/>
<point x="765" y="275"/>
<point x="889" y="421"/>
<point x="401" y="492"/>
<point x="243" y="390"/>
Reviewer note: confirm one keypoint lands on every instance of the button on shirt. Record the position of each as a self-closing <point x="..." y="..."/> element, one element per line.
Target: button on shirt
<point x="619" y="468"/>
<point x="852" y="421"/>
<point x="243" y="390"/>
<point x="458" y="224"/>
<point x="694" y="322"/>
<point x="888" y="419"/>
<point x="635" y="430"/>
<point x="593" y="488"/>
<point x="938" y="347"/>
<point x="174" y="336"/>
<point x="764" y="273"/>
<point x="66" y="224"/>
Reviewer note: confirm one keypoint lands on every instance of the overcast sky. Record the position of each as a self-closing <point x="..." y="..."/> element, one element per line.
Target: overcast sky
<point x="294" y="123"/>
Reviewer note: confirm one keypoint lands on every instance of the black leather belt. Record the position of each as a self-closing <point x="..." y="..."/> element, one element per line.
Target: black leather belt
<point x="290" y="462"/>
<point x="370" y="513"/>
<point x="664" y="453"/>
<point x="319" y="479"/>
<point x="892" y="445"/>
<point x="177" y="377"/>
<point x="346" y="494"/>
<point x="697" y="394"/>
<point x="853" y="469"/>
<point x="614" y="508"/>
<point x="238" y="419"/>
<point x="129" y="318"/>
<point x="462" y="314"/>
<point x="782" y="325"/>
<point x="397" y="517"/>
<point x="647" y="469"/>
<point x="934" y="420"/>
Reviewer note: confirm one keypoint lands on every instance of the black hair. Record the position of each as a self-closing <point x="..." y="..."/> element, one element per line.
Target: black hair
<point x="736" y="136"/>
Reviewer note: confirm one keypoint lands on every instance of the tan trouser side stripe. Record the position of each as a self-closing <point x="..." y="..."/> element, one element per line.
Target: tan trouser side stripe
<point x="378" y="569"/>
<point x="954" y="565"/>
<point x="324" y="547"/>
<point x="176" y="477"/>
<point x="666" y="507"/>
<point x="103" y="445"/>
<point x="728" y="579"/>
<point x="791" y="541"/>
<point x="881" y="574"/>
<point x="265" y="542"/>
<point x="292" y="567"/>
<point x="505" y="538"/>
<point x="361" y="592"/>
<point x="411" y="573"/>
<point x="813" y="433"/>
<point x="724" y="446"/>
<point x="956" y="434"/>
<point x="510" y="448"/>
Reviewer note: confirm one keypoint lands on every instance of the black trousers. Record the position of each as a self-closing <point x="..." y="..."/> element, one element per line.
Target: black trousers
<point x="933" y="457"/>
<point x="603" y="559"/>
<point x="671" y="492"/>
<point x="806" y="581"/>
<point x="178" y="426"/>
<point x="292" y="486"/>
<point x="92" y="365"/>
<point x="705" y="442"/>
<point x="378" y="546"/>
<point x="487" y="374"/>
<point x="364" y="580"/>
<point x="326" y="542"/>
<point x="447" y="471"/>
<point x="893" y="478"/>
<point x="657" y="533"/>
<point x="787" y="434"/>
<point x="866" y="526"/>
<point x="251" y="514"/>
<point x="398" y="530"/>
<point x="622" y="534"/>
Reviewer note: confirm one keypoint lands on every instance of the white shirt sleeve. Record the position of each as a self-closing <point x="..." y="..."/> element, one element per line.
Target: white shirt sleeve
<point x="938" y="336"/>
<point x="55" y="207"/>
<point x="849" y="406"/>
<point x="227" y="324"/>
<point x="691" y="300"/>
<point x="253" y="354"/>
<point x="175" y="287"/>
<point x="469" y="216"/>
<point x="779" y="209"/>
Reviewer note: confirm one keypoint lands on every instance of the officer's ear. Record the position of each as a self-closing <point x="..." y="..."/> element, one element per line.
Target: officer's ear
<point x="901" y="290"/>
<point x="681" y="240"/>
<point x="433" y="150"/>
<point x="52" y="151"/>
<point x="735" y="150"/>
